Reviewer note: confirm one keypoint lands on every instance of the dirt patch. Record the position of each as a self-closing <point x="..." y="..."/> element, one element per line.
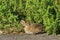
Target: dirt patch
<point x="29" y="37"/>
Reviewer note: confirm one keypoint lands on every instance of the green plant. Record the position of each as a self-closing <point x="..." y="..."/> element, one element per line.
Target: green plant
<point x="46" y="12"/>
<point x="8" y="18"/>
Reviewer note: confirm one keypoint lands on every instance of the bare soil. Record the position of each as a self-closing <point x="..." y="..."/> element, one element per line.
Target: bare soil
<point x="29" y="37"/>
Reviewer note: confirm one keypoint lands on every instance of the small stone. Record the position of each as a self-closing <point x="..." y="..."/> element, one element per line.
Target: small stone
<point x="1" y="32"/>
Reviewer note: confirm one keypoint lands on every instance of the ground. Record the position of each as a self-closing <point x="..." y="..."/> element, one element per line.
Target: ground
<point x="29" y="37"/>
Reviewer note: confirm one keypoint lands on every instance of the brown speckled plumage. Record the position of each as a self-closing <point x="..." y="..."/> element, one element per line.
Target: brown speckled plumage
<point x="32" y="28"/>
